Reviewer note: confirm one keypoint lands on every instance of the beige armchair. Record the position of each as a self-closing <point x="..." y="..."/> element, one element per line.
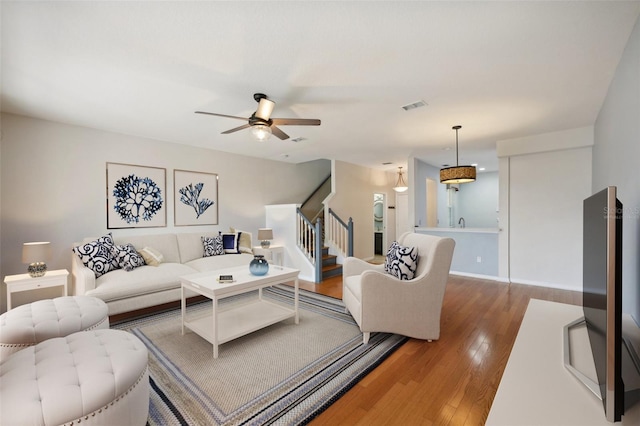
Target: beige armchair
<point x="380" y="302"/>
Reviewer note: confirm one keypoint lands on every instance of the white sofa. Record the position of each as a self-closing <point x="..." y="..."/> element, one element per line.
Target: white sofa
<point x="146" y="286"/>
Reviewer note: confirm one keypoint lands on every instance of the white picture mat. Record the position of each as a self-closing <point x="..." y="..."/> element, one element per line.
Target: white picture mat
<point x="118" y="171"/>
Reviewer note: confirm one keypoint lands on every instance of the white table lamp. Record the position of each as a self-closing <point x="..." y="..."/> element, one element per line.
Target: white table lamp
<point x="36" y="255"/>
<point x="265" y="235"/>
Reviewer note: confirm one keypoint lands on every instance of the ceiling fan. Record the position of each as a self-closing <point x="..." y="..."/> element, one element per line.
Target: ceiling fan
<point x="261" y="123"/>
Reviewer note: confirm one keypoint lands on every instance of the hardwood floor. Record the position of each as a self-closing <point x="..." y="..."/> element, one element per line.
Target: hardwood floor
<point x="451" y="381"/>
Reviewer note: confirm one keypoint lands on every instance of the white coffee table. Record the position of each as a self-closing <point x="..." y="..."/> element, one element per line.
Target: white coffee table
<point x="223" y="325"/>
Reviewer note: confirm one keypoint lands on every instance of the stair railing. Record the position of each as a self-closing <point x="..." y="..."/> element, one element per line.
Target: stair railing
<point x="339" y="233"/>
<point x="309" y="239"/>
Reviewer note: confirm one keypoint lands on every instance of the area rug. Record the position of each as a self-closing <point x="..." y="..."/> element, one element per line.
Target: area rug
<point x="283" y="374"/>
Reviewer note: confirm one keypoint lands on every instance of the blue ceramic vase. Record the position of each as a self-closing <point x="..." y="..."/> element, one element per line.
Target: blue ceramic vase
<point x="259" y="265"/>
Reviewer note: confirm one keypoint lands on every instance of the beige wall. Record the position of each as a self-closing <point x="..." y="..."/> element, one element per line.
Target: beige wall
<point x="354" y="187"/>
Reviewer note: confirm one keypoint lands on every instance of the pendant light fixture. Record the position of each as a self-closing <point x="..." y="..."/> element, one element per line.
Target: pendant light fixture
<point x="401" y="185"/>
<point x="457" y="174"/>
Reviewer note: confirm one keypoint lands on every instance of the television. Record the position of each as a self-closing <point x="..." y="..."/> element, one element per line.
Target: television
<point x="614" y="358"/>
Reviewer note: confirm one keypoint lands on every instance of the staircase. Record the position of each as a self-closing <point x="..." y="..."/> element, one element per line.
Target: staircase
<point x="313" y="231"/>
<point x="330" y="266"/>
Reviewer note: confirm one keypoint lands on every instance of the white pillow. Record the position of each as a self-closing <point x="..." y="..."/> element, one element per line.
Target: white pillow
<point x="151" y="256"/>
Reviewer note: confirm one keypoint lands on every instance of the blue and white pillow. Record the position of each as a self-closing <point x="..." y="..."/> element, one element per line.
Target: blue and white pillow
<point x="213" y="246"/>
<point x="96" y="255"/>
<point x="401" y="262"/>
<point x="127" y="257"/>
<point x="230" y="242"/>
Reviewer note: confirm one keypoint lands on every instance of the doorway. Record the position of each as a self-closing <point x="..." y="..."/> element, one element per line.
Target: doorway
<point x="378" y="223"/>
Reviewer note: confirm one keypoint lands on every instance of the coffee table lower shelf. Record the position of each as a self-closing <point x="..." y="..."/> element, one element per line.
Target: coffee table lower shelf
<point x="238" y="321"/>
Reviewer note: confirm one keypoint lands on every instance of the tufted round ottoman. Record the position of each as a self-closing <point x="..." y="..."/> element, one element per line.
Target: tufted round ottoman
<point x="96" y="377"/>
<point x="36" y="322"/>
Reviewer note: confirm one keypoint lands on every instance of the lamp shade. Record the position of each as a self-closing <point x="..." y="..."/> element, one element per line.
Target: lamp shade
<point x="35" y="252"/>
<point x="265" y="234"/>
<point x="458" y="174"/>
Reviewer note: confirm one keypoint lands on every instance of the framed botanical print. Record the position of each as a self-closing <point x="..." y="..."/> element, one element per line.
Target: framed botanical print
<point x="136" y="196"/>
<point x="195" y="198"/>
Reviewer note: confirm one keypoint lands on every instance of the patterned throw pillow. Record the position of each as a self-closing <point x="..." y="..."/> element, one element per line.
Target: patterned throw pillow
<point x="401" y="262"/>
<point x="213" y="246"/>
<point x="97" y="256"/>
<point x="127" y="257"/>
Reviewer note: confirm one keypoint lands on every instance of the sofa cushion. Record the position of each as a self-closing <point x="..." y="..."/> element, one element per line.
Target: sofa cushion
<point x="143" y="280"/>
<point x="190" y="244"/>
<point x="401" y="262"/>
<point x="205" y="264"/>
<point x="167" y="244"/>
<point x="96" y="255"/>
<point x="127" y="257"/>
<point x="212" y="246"/>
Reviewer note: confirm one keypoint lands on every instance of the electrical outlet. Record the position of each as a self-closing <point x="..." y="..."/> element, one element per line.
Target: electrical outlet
<point x="479" y="259"/>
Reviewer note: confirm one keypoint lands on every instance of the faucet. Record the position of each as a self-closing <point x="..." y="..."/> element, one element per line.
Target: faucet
<point x="461" y="222"/>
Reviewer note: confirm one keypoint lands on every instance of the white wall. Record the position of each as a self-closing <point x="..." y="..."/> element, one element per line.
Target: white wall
<point x="354" y="187"/>
<point x="616" y="161"/>
<point x="543" y="217"/>
<point x="477" y="202"/>
<point x="53" y="185"/>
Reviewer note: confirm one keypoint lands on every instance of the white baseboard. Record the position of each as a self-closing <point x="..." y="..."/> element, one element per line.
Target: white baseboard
<point x="546" y="284"/>
<point x="481" y="276"/>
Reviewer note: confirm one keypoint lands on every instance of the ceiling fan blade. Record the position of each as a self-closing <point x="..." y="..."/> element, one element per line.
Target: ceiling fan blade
<point x="222" y="115"/>
<point x="279" y="133"/>
<point x="235" y="129"/>
<point x="296" y="121"/>
<point x="265" y="108"/>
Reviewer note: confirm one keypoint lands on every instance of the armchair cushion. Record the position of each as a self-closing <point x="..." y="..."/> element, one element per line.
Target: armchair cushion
<point x="401" y="262"/>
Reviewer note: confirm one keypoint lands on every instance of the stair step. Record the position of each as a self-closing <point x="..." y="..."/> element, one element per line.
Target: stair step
<point x="329" y="259"/>
<point x="331" y="271"/>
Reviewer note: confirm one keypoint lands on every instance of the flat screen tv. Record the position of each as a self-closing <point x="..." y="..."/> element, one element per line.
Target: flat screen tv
<point x="602" y="304"/>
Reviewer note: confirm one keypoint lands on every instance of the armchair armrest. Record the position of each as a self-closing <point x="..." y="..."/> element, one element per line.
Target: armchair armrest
<point x="84" y="279"/>
<point x="354" y="266"/>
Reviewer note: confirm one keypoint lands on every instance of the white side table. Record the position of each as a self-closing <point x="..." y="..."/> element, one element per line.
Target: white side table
<point x="270" y="253"/>
<point x="24" y="282"/>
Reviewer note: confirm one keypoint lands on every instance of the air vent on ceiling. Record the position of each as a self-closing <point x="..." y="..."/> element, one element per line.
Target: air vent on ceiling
<point x="386" y="163"/>
<point x="414" y="105"/>
<point x="298" y="139"/>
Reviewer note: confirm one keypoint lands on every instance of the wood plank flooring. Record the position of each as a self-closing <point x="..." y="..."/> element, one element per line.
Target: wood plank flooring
<point x="451" y="381"/>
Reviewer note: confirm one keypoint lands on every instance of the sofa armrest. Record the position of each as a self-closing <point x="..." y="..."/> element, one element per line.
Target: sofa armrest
<point x="84" y="279"/>
<point x="354" y="266"/>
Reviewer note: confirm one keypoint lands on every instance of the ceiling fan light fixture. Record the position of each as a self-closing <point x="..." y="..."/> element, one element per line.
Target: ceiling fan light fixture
<point x="265" y="108"/>
<point x="261" y="132"/>
<point x="457" y="174"/>
<point x="401" y="185"/>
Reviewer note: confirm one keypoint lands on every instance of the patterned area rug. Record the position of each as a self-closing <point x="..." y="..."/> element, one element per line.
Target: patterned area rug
<point x="285" y="373"/>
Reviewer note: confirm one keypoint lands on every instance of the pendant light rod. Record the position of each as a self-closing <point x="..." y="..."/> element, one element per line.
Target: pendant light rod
<point x="456" y="128"/>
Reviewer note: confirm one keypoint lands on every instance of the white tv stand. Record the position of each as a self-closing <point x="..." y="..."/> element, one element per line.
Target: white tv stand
<point x="536" y="388"/>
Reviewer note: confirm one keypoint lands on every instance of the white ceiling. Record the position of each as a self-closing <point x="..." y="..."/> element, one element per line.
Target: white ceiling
<point x="502" y="70"/>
